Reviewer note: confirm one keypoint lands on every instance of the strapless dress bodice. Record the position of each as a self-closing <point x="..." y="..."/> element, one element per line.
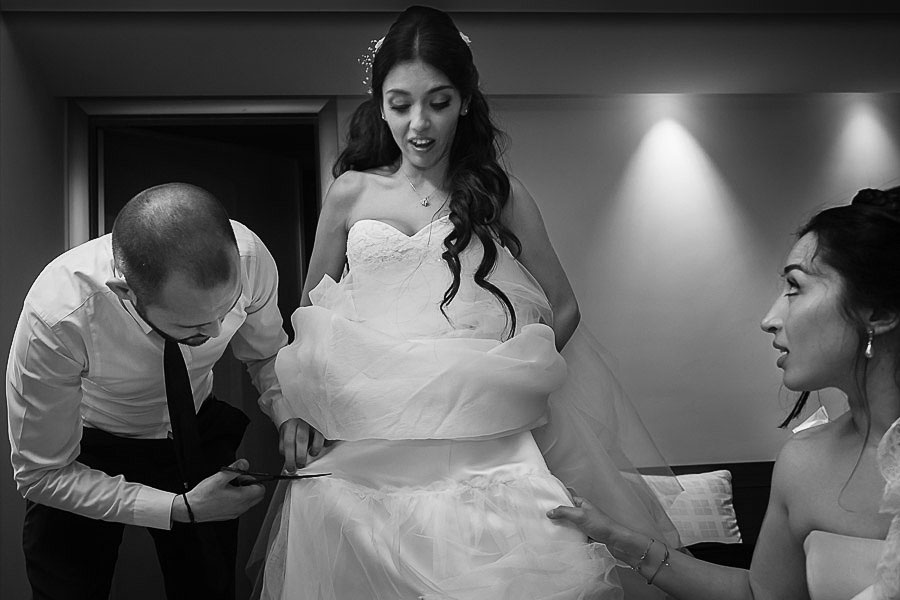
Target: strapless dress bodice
<point x="375" y="244"/>
<point x="838" y="567"/>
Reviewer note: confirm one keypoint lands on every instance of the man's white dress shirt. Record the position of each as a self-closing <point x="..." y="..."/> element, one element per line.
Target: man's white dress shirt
<point x="83" y="357"/>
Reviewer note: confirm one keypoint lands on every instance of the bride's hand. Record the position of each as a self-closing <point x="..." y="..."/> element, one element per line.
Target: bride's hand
<point x="299" y="443"/>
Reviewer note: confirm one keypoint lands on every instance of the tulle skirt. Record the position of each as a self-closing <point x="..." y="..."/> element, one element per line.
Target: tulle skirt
<point x="433" y="519"/>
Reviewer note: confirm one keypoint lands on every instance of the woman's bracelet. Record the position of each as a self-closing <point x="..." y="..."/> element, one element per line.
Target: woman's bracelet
<point x="663" y="563"/>
<point x="637" y="565"/>
<point x="188" y="507"/>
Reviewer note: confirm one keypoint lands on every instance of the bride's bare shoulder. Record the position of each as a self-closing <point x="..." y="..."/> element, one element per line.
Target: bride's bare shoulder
<point x="348" y="189"/>
<point x="352" y="185"/>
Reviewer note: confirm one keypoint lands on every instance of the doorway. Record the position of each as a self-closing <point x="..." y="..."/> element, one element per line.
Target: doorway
<point x="265" y="170"/>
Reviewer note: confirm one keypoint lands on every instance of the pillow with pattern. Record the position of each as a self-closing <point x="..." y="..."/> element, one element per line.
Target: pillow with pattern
<point x="704" y="511"/>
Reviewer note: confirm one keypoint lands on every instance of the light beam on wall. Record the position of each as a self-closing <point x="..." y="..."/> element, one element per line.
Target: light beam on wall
<point x="674" y="216"/>
<point x="674" y="257"/>
<point x="866" y="153"/>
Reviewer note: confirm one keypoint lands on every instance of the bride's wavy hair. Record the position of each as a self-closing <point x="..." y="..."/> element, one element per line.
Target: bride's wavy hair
<point x="861" y="242"/>
<point x="479" y="187"/>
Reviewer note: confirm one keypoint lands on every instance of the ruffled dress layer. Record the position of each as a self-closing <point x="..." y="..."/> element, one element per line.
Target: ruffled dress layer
<point x="841" y="566"/>
<point x="437" y="487"/>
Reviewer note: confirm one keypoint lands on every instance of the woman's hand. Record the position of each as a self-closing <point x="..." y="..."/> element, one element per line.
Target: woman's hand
<point x="624" y="544"/>
<point x="595" y="523"/>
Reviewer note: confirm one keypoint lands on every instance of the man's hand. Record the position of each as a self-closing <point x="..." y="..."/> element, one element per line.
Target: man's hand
<point x="215" y="499"/>
<point x="294" y="444"/>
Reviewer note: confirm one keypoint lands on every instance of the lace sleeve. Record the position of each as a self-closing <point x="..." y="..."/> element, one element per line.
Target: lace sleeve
<point x="887" y="584"/>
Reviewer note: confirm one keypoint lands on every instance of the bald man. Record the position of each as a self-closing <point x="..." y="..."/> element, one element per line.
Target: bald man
<point x="89" y="425"/>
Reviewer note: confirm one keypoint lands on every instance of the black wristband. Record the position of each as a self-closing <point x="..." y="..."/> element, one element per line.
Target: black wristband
<point x="190" y="512"/>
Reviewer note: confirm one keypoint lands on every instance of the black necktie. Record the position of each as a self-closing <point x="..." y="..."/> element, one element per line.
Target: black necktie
<point x="189" y="453"/>
<point x="182" y="415"/>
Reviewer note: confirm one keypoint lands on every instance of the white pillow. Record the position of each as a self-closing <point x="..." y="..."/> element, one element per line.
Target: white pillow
<point x="704" y="512"/>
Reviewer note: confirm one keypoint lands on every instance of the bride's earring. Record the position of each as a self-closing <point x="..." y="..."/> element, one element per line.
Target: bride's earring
<point x="869" y="353"/>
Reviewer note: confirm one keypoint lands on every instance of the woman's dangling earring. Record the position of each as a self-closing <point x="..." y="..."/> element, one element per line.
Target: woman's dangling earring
<point x="868" y="352"/>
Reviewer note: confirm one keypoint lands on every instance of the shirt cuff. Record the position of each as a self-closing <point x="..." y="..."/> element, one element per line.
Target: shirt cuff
<point x="153" y="508"/>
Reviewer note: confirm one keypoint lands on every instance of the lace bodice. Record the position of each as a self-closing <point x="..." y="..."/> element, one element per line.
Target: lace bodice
<point x="396" y="283"/>
<point x="889" y="457"/>
<point x="887" y="585"/>
<point x="375" y="244"/>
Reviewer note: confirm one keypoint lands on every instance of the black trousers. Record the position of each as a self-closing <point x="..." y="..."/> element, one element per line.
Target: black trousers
<point x="70" y="557"/>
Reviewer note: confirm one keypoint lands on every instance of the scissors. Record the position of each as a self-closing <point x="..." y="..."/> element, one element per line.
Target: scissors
<point x="251" y="478"/>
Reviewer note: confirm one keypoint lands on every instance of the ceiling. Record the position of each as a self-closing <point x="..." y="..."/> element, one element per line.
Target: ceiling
<point x="475" y="6"/>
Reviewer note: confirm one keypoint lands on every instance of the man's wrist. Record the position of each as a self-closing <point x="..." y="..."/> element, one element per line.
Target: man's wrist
<point x="179" y="510"/>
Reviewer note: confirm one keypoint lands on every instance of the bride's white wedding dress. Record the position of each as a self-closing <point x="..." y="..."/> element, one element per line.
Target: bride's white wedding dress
<point x="438" y="488"/>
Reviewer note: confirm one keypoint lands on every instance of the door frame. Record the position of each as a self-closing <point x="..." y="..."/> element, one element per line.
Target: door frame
<point x="77" y="211"/>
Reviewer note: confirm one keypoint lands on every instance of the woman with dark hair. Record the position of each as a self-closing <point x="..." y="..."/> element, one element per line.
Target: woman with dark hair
<point x="427" y="346"/>
<point x="836" y="487"/>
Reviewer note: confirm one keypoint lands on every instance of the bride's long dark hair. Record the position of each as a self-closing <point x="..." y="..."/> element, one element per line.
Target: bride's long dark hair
<point x="478" y="186"/>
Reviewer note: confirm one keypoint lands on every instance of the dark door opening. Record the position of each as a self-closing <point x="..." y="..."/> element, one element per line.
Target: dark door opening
<point x="264" y="169"/>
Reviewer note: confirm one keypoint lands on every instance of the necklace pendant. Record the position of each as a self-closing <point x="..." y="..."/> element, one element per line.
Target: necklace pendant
<point x="424" y="201"/>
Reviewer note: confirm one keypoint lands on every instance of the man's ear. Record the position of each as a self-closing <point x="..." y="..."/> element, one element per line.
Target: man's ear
<point x="120" y="288"/>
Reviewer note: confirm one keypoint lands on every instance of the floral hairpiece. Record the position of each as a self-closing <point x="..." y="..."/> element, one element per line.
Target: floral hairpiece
<point x="368" y="58"/>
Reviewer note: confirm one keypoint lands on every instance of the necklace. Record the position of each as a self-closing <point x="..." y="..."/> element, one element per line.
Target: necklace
<point x="424" y="199"/>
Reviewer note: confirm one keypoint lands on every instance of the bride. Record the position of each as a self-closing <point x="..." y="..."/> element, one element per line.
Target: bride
<point x="427" y="346"/>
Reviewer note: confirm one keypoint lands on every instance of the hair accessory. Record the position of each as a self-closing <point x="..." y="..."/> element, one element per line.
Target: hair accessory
<point x="368" y="58"/>
<point x="869" y="353"/>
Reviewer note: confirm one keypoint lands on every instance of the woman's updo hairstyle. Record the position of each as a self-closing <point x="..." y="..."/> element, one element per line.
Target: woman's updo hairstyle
<point x="479" y="187"/>
<point x="861" y="242"/>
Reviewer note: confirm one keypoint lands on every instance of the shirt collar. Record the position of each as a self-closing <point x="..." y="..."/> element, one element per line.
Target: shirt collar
<point x="131" y="310"/>
<point x="127" y="304"/>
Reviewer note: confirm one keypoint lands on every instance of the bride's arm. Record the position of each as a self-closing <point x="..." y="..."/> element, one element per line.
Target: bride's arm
<point x="328" y="257"/>
<point x="522" y="216"/>
<point x="330" y="247"/>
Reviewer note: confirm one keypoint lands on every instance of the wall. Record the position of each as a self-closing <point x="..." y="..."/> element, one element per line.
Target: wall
<point x="31" y="233"/>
